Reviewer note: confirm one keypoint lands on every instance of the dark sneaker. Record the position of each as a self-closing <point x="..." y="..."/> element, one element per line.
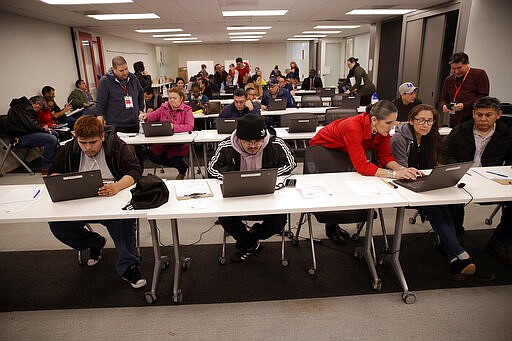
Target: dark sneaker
<point x="96" y="253"/>
<point x="462" y="268"/>
<point x="133" y="276"/>
<point x="242" y="255"/>
<point x="336" y="233"/>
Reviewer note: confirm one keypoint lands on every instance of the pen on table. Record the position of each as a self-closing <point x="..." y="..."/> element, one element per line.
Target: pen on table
<point x="392" y="184"/>
<point x="498" y="174"/>
<point x="194" y="194"/>
<point x="37" y="193"/>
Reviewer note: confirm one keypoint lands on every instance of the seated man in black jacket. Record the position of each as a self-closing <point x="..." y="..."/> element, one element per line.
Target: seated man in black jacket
<point x="21" y="123"/>
<point x="250" y="147"/>
<point x="488" y="142"/>
<point x="93" y="148"/>
<point x="241" y="106"/>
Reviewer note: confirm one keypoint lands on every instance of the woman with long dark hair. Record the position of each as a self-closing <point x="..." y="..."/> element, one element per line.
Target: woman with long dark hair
<point x="417" y="143"/>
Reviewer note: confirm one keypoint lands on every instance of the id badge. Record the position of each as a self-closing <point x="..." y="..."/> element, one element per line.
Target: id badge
<point x="128" y="102"/>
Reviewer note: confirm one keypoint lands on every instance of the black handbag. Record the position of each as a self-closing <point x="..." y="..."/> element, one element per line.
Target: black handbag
<point x="149" y="192"/>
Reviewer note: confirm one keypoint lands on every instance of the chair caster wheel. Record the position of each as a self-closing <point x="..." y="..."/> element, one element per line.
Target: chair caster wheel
<point x="488" y="221"/>
<point x="284" y="262"/>
<point x="164" y="265"/>
<point x="377" y="285"/>
<point x="186" y="263"/>
<point x="289" y="235"/>
<point x="222" y="260"/>
<point x="150" y="297"/>
<point x="412" y="220"/>
<point x="409" y="298"/>
<point x="358" y="255"/>
<point x="311" y="271"/>
<point x="355" y="237"/>
<point x="295" y="241"/>
<point x="178" y="298"/>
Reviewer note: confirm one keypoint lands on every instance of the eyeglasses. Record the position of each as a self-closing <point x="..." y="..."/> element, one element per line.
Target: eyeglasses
<point x="423" y="121"/>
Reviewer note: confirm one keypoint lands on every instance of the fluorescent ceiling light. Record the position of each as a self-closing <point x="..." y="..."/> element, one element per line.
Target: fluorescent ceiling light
<point x="321" y="32"/>
<point x="123" y="16"/>
<point x="190" y="38"/>
<point x="185" y="42"/>
<point x="379" y="11"/>
<point x="244" y="33"/>
<point x="301" y="39"/>
<point x="310" y="36"/>
<point x="241" y="28"/>
<point x="160" y="30"/>
<point x="336" y="26"/>
<point x="244" y="40"/>
<point x="84" y="2"/>
<point x="254" y="13"/>
<point x="245" y="37"/>
<point x="171" y="35"/>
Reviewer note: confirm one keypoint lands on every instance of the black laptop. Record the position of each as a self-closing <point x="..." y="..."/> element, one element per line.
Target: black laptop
<point x="229" y="89"/>
<point x="302" y="125"/>
<point x="225" y="125"/>
<point x="212" y="108"/>
<point x="440" y="177"/>
<point x="157" y="129"/>
<point x="71" y="186"/>
<point x="244" y="183"/>
<point x="276" y="104"/>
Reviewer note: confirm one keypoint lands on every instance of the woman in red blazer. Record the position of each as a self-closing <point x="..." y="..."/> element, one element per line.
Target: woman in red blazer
<point x="355" y="135"/>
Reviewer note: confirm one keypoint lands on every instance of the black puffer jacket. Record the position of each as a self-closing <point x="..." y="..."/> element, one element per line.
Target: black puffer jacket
<point x="21" y="118"/>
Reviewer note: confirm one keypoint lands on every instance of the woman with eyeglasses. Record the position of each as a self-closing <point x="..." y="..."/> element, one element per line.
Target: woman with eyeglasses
<point x="417" y="144"/>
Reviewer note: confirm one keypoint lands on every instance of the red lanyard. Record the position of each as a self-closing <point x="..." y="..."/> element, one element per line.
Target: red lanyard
<point x="457" y="88"/>
<point x="123" y="87"/>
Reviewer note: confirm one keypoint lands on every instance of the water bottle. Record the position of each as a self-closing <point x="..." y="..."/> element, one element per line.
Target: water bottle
<point x="375" y="98"/>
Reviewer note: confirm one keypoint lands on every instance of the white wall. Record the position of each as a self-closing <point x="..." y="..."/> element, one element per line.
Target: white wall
<point x="488" y="43"/>
<point x="362" y="49"/>
<point x="263" y="55"/>
<point x="132" y="51"/>
<point x="34" y="54"/>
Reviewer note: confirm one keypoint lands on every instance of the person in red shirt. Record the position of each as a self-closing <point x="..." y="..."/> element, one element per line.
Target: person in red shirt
<point x="244" y="72"/>
<point x="357" y="134"/>
<point x="462" y="89"/>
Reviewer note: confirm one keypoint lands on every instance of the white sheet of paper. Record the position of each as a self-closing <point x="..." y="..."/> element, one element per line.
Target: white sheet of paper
<point x="492" y="173"/>
<point x="21" y="194"/>
<point x="184" y="188"/>
<point x="369" y="188"/>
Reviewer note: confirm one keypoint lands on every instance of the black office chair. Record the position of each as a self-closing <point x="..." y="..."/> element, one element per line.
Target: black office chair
<point x="318" y="159"/>
<point x="333" y="114"/>
<point x="336" y="100"/>
<point x="311" y="101"/>
<point x="350" y="102"/>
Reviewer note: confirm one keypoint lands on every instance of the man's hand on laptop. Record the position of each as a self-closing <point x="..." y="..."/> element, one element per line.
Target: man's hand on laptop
<point x="109" y="189"/>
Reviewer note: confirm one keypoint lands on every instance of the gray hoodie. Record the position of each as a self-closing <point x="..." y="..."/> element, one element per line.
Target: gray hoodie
<point x="401" y="143"/>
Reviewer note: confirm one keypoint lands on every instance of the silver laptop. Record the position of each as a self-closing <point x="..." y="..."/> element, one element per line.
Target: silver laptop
<point x="225" y="125"/>
<point x="277" y="104"/>
<point x="72" y="186"/>
<point x="440" y="177"/>
<point x="243" y="183"/>
<point x="302" y="125"/>
<point x="157" y="129"/>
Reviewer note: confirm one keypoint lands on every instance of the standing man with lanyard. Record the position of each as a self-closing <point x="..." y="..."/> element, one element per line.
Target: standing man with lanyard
<point x="120" y="101"/>
<point x="462" y="89"/>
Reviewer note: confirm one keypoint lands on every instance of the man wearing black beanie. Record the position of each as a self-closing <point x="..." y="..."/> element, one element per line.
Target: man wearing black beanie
<point x="250" y="147"/>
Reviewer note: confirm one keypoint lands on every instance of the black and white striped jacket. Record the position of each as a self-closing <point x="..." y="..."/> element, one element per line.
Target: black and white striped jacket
<point x="276" y="154"/>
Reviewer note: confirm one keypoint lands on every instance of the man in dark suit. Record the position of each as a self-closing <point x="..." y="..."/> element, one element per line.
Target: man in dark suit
<point x="312" y="82"/>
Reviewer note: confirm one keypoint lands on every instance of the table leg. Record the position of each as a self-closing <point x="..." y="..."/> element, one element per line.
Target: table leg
<point x="177" y="296"/>
<point x="161" y="262"/>
<point x="192" y="173"/>
<point x="205" y="159"/>
<point x="368" y="255"/>
<point x="394" y="254"/>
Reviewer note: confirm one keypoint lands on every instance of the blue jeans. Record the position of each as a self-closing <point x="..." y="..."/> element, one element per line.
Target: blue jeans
<point x="503" y="232"/>
<point x="271" y="225"/>
<point x="442" y="222"/>
<point x="48" y="141"/>
<point x="75" y="235"/>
